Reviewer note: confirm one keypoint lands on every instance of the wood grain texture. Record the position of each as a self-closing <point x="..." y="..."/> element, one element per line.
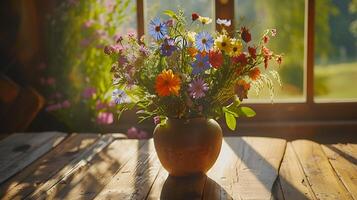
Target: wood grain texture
<point x="224" y="171"/>
<point x="343" y="158"/>
<point x="135" y="179"/>
<point x="292" y="178"/>
<point x="320" y="175"/>
<point x="46" y="167"/>
<point x="72" y="167"/>
<point x="260" y="161"/>
<point x="19" y="150"/>
<point x="90" y="179"/>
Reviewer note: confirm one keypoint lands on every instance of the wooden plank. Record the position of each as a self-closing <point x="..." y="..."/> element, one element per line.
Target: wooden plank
<point x="135" y="179"/>
<point x="292" y="179"/>
<point x="260" y="161"/>
<point x="223" y="174"/>
<point x="320" y="175"/>
<point x="21" y="149"/>
<point x="91" y="178"/>
<point x="156" y="189"/>
<point x="344" y="162"/>
<point x="73" y="167"/>
<point x="277" y="191"/>
<point x="42" y="170"/>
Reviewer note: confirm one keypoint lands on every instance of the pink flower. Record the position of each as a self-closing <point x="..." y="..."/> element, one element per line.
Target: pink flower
<point x="197" y="88"/>
<point x="89" y="92"/>
<point x="99" y="105"/>
<point x="134" y="133"/>
<point x="85" y="42"/>
<point x="51" y="81"/>
<point x="157" y="120"/>
<point x="53" y="107"/>
<point x="88" y="23"/>
<point x="66" y="104"/>
<point x="105" y="118"/>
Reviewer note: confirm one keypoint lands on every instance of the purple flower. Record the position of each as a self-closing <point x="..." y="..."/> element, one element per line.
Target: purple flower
<point x="143" y="50"/>
<point x="197" y="88"/>
<point x="135" y="133"/>
<point x="201" y="64"/>
<point x="119" y="96"/>
<point x="169" y="22"/>
<point x="157" y="29"/>
<point x="204" y="41"/>
<point x="89" y="92"/>
<point x="224" y="22"/>
<point x="122" y="60"/>
<point x="85" y="42"/>
<point x="99" y="105"/>
<point x="118" y="38"/>
<point x="168" y="47"/>
<point x="157" y="120"/>
<point x="105" y="118"/>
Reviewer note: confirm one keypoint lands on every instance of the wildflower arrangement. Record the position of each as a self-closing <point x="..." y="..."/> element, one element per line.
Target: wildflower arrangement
<point x="182" y="71"/>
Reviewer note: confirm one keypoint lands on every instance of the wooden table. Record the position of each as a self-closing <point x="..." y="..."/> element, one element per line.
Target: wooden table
<point x="56" y="165"/>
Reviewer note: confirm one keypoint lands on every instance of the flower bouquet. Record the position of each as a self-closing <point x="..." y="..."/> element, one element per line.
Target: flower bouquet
<point x="185" y="77"/>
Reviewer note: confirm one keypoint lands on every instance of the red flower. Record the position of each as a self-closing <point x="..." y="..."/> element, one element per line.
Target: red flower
<point x="253" y="52"/>
<point x="242" y="59"/>
<point x="266" y="39"/>
<point x="241" y="88"/>
<point x="267" y="56"/>
<point x="245" y="34"/>
<point x="254" y="74"/>
<point x="216" y="59"/>
<point x="279" y="59"/>
<point x="194" y="16"/>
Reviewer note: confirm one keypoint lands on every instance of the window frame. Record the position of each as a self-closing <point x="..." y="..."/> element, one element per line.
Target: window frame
<point x="305" y="111"/>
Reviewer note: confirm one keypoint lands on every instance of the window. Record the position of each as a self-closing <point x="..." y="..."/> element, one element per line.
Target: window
<point x="335" y="51"/>
<point x="288" y="18"/>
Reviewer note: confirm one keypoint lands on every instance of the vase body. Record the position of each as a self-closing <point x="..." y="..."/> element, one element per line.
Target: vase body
<point x="188" y="146"/>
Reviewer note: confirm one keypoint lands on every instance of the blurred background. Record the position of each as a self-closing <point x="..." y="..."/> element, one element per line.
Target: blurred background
<point x="55" y="76"/>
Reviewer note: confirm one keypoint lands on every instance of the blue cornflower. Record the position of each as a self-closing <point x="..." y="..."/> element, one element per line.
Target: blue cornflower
<point x="201" y="64"/>
<point x="157" y="29"/>
<point x="204" y="41"/>
<point x="119" y="96"/>
<point x="167" y="47"/>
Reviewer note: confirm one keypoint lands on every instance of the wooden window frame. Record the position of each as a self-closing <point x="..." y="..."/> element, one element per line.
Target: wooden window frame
<point x="307" y="111"/>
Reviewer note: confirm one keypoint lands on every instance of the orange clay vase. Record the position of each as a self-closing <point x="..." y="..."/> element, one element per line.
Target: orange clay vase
<point x="188" y="147"/>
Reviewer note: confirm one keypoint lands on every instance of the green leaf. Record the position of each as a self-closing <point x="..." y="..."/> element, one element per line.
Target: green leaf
<point x="246" y="112"/>
<point x="170" y="13"/>
<point x="230" y="111"/>
<point x="230" y="121"/>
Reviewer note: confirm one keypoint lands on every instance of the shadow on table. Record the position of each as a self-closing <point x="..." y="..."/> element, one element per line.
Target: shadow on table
<point x="195" y="187"/>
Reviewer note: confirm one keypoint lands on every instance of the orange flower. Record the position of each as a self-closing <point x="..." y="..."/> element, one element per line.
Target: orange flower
<point x="167" y="83"/>
<point x="192" y="51"/>
<point x="254" y="74"/>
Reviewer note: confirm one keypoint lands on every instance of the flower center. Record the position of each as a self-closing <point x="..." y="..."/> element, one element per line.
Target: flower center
<point x="235" y="48"/>
<point x="200" y="64"/>
<point x="157" y="28"/>
<point x="224" y="44"/>
<point x="204" y="41"/>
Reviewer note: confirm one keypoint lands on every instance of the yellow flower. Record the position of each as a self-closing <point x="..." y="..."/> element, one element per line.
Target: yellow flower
<point x="204" y="20"/>
<point x="191" y="36"/>
<point x="236" y="47"/>
<point x="223" y="43"/>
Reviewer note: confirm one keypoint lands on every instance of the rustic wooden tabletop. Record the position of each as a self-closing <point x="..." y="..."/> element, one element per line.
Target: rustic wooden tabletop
<point x="56" y="165"/>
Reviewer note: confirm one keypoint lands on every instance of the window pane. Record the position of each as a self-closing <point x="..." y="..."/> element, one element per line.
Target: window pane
<point x="288" y="18"/>
<point x="336" y="50"/>
<point x="154" y="8"/>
